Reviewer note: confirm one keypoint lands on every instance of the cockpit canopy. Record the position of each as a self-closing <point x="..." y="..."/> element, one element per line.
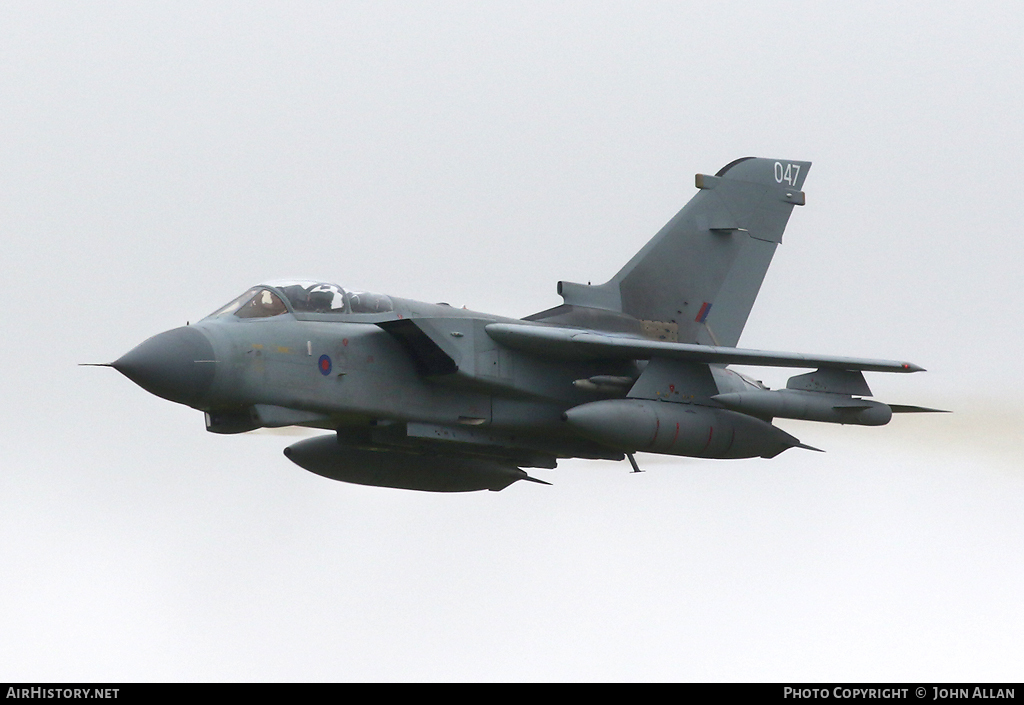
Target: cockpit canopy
<point x="312" y="297"/>
<point x="302" y="297"/>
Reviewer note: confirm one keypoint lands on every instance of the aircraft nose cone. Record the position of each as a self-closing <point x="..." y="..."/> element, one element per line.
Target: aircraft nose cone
<point x="177" y="365"/>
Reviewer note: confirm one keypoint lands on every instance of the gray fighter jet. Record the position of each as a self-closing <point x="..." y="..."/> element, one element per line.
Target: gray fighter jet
<point x="431" y="397"/>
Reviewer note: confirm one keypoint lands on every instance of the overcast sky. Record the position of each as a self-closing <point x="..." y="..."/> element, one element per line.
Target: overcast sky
<point x="156" y="159"/>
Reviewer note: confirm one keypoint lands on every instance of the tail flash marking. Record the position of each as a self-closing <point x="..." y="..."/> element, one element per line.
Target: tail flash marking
<point x="702" y="315"/>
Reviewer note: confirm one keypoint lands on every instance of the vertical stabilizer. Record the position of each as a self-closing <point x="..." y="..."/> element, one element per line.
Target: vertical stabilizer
<point x="696" y="280"/>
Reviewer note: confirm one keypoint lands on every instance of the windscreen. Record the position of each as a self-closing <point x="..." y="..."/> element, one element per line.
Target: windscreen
<point x="257" y="302"/>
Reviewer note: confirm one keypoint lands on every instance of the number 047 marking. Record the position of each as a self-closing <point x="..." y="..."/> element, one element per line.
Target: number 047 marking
<point x="787" y="173"/>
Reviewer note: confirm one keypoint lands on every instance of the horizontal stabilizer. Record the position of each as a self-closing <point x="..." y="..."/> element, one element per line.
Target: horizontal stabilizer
<point x="831" y="381"/>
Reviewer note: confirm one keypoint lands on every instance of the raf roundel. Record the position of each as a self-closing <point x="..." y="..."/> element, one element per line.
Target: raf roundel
<point x="324" y="363"/>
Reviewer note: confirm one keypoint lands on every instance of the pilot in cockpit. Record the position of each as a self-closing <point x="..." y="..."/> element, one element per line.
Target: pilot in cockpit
<point x="320" y="301"/>
<point x="264" y="304"/>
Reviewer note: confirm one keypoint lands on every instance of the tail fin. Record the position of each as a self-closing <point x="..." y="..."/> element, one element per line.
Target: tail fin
<point x="696" y="280"/>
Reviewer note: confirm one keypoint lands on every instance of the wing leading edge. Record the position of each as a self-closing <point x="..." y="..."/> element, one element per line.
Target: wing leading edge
<point x="577" y="344"/>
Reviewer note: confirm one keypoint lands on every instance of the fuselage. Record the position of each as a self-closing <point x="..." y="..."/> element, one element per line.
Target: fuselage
<point x="430" y="368"/>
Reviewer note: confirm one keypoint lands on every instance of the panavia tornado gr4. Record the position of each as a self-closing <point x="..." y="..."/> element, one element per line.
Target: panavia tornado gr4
<point x="430" y="397"/>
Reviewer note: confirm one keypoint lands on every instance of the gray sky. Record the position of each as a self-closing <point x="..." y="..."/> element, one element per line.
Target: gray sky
<point x="156" y="160"/>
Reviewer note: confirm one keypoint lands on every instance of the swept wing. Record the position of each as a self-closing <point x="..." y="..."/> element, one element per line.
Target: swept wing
<point x="579" y="344"/>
